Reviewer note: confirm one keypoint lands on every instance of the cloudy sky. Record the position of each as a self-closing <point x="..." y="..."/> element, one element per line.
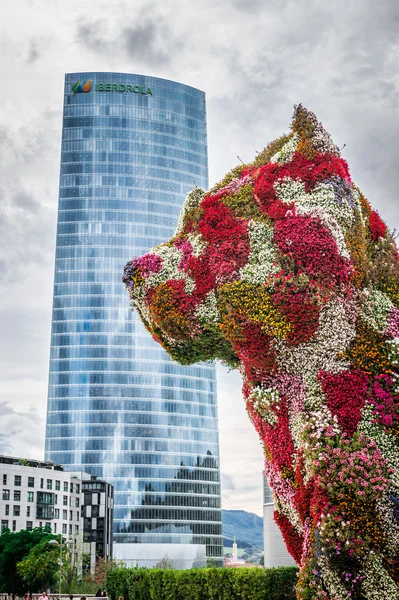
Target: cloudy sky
<point x="255" y="59"/>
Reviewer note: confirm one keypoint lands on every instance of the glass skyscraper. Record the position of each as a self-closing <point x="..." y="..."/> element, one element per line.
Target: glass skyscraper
<point x="118" y="407"/>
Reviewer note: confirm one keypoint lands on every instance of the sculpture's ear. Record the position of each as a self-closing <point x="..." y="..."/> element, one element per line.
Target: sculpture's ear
<point x="313" y="138"/>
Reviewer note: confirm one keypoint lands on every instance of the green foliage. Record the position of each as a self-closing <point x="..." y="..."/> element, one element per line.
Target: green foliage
<point x="40" y="567"/>
<point x="14" y="547"/>
<point x="99" y="576"/>
<point x="117" y="582"/>
<point x="271" y="149"/>
<point x="243" y="204"/>
<point x="202" y="584"/>
<point x="235" y="172"/>
<point x="165" y="563"/>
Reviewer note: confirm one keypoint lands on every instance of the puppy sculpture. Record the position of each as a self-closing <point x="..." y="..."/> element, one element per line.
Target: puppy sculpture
<point x="284" y="271"/>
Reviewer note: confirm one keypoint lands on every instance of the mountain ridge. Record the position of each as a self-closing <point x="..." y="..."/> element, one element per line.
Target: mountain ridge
<point x="246" y="527"/>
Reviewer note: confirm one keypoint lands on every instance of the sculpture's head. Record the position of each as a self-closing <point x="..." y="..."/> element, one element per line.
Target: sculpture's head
<point x="255" y="261"/>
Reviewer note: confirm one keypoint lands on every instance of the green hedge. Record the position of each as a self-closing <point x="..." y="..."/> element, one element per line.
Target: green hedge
<point x="202" y="584"/>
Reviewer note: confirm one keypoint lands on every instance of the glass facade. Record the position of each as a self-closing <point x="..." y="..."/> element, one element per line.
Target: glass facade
<point x="118" y="407"/>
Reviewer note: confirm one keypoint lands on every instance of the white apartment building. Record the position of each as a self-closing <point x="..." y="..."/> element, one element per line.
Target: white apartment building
<point x="39" y="494"/>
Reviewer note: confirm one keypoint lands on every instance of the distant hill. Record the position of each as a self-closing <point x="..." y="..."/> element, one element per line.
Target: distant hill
<point x="247" y="527"/>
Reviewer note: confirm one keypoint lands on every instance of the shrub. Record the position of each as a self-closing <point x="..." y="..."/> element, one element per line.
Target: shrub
<point x="202" y="584"/>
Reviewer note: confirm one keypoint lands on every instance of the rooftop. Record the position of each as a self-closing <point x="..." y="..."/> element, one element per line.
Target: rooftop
<point x="30" y="462"/>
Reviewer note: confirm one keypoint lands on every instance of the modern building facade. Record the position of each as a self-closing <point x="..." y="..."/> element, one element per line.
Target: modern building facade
<point x="97" y="513"/>
<point x="275" y="551"/>
<point x="118" y="407"/>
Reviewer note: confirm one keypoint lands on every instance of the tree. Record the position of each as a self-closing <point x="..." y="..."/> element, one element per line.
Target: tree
<point x="40" y="568"/>
<point x="69" y="569"/>
<point x="14" y="547"/>
<point x="165" y="563"/>
<point x="101" y="570"/>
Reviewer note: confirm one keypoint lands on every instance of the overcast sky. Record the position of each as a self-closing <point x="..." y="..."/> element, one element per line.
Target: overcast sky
<point x="254" y="59"/>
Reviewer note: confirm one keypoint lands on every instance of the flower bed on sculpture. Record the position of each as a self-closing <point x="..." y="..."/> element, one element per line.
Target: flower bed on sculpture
<point x="285" y="272"/>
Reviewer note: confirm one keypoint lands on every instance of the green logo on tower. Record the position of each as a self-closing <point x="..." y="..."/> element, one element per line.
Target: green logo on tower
<point x="78" y="87"/>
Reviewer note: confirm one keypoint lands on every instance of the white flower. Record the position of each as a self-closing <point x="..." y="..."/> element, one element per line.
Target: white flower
<point x="171" y="257"/>
<point x="322" y="197"/>
<point x="323" y="352"/>
<point x="265" y="401"/>
<point x="263" y="254"/>
<point x="207" y="311"/>
<point x="197" y="242"/>
<point x="287" y="151"/>
<point x="375" y="308"/>
<point x="193" y="199"/>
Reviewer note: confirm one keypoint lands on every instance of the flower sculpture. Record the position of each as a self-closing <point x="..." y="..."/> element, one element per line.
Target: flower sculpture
<point x="284" y="271"/>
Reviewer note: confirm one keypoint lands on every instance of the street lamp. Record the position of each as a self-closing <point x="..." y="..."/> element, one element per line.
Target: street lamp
<point x="55" y="543"/>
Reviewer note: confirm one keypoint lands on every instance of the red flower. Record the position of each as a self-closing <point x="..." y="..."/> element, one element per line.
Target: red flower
<point x="293" y="540"/>
<point x="377" y="226"/>
<point x="346" y="394"/>
<point x="310" y="172"/>
<point x="301" y="310"/>
<point x="310" y="244"/>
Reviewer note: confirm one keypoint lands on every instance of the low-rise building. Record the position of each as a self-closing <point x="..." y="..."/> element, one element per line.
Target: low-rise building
<point x="36" y="494"/>
<point x="41" y="494"/>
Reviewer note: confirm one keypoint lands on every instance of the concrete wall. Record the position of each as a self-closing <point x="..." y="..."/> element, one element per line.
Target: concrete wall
<point x="183" y="556"/>
<point x="276" y="553"/>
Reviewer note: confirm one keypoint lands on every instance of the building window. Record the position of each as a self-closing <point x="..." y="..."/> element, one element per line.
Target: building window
<point x="6" y="494"/>
<point x="17" y="480"/>
<point x="77" y="516"/>
<point x="64" y="528"/>
<point x="31" y="482"/>
<point x="77" y="502"/>
<point x="70" y="516"/>
<point x="17" y="495"/>
<point x="55" y="498"/>
<point x="58" y="485"/>
<point x="29" y="525"/>
<point x="14" y="525"/>
<point x="71" y="488"/>
<point x="65" y="500"/>
<point x="65" y="486"/>
<point x="41" y="483"/>
<point x="55" y="527"/>
<point x="28" y="511"/>
<point x="4" y="524"/>
<point x="70" y="530"/>
<point x="49" y="484"/>
<point x="31" y="496"/>
<point x="77" y="488"/>
<point x="7" y="509"/>
<point x="57" y="513"/>
<point x="65" y="515"/>
<point x="4" y="479"/>
<point x="76" y="529"/>
<point x="45" y="512"/>
<point x="45" y="498"/>
<point x="16" y="510"/>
